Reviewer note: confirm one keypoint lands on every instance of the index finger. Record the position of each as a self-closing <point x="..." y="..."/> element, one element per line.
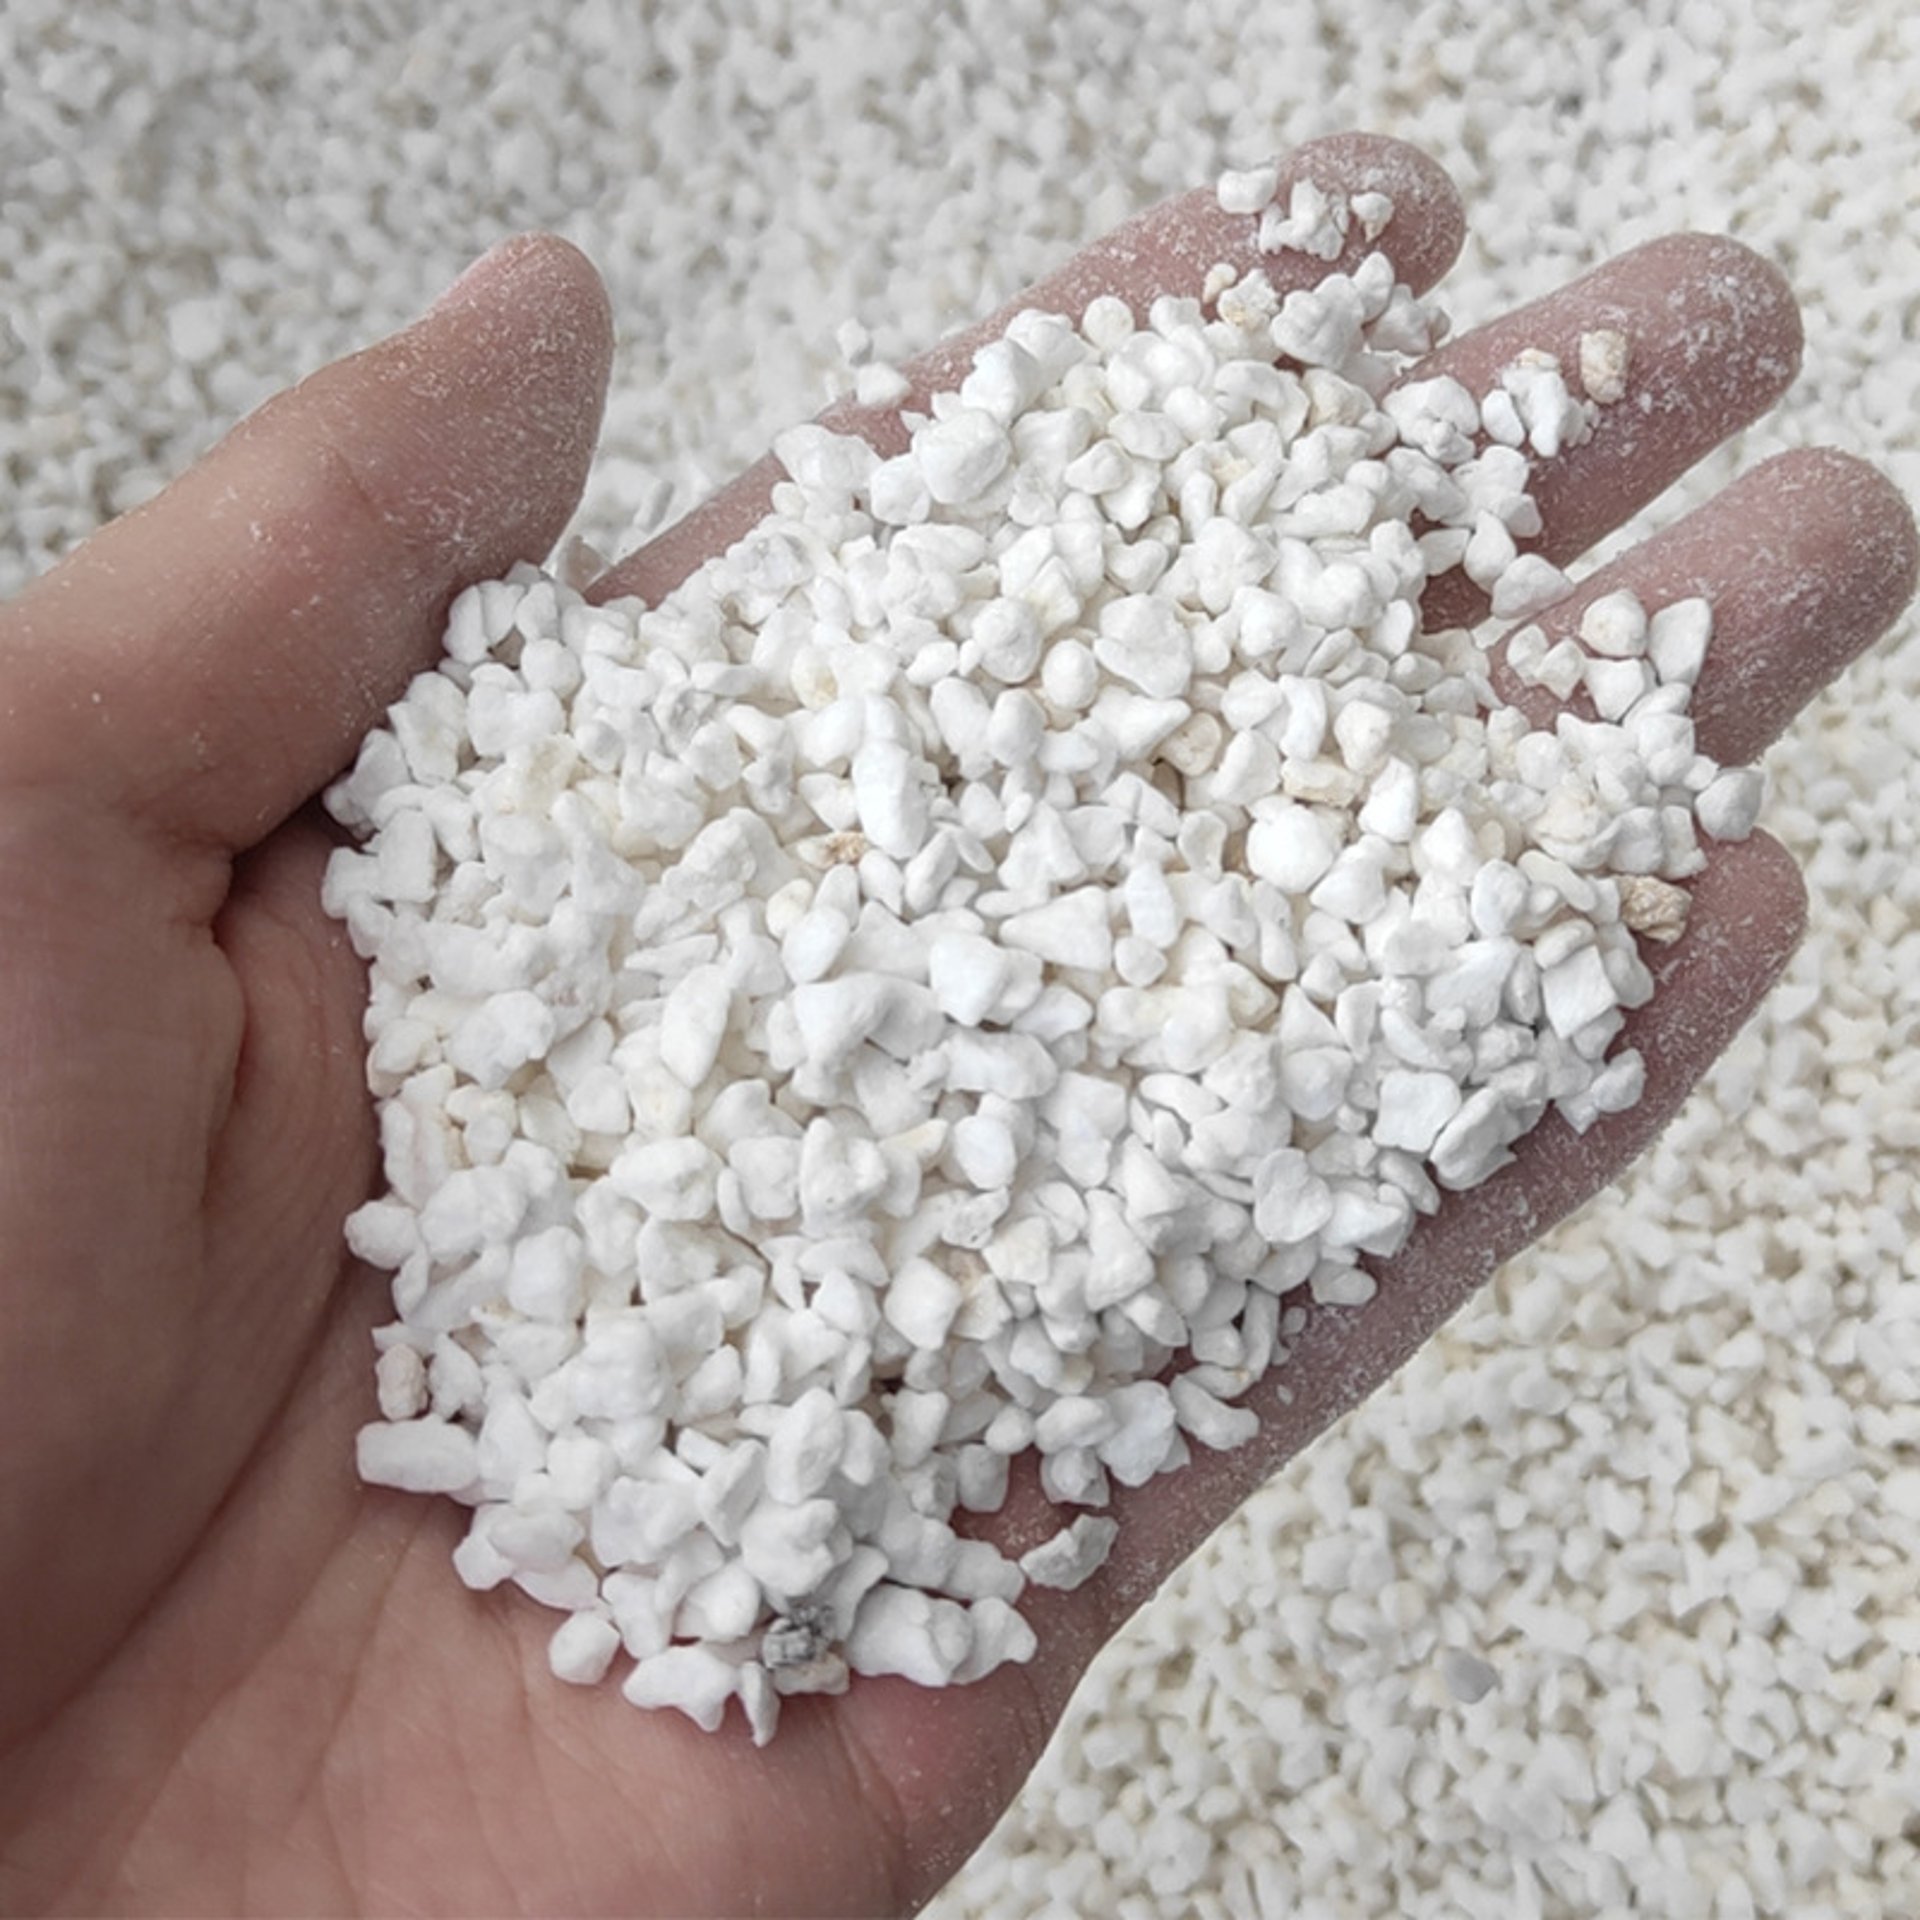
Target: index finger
<point x="1168" y="250"/>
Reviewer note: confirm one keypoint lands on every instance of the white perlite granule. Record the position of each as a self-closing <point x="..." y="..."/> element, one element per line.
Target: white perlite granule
<point x="1033" y="904"/>
<point x="1746" y="1300"/>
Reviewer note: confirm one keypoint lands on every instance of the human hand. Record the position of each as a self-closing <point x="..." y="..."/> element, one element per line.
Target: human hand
<point x="239" y="1680"/>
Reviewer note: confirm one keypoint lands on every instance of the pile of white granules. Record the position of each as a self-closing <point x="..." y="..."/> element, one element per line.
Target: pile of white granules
<point x="1610" y="1601"/>
<point x="934" y="987"/>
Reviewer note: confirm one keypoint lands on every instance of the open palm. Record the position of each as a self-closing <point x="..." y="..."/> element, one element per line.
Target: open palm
<point x="235" y="1680"/>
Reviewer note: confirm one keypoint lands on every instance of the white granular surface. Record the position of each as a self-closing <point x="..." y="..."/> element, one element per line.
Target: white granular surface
<point x="1612" y="1602"/>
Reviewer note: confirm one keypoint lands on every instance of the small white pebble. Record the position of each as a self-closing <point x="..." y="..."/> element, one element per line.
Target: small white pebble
<point x="1728" y="807"/>
<point x="400" y="1375"/>
<point x="1677" y="638"/>
<point x="1527" y="586"/>
<point x="582" y="1648"/>
<point x="1248" y="189"/>
<point x="879" y="385"/>
<point x="1603" y="365"/>
<point x="1469" y="1678"/>
<point x="417" y="1456"/>
<point x="1071" y="1557"/>
<point x="692" y="1678"/>
<point x="1615" y="624"/>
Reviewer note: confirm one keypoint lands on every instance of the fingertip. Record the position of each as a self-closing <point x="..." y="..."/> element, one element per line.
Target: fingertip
<point x="1807" y="560"/>
<point x="1423" y="236"/>
<point x="570" y="291"/>
<point x="530" y="322"/>
<point x="1735" y="303"/>
<point x="1714" y="338"/>
<point x="470" y="433"/>
<point x="1429" y="225"/>
<point x="535" y="254"/>
<point x="1850" y="500"/>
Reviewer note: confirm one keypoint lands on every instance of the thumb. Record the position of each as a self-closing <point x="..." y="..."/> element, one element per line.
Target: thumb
<point x="207" y="661"/>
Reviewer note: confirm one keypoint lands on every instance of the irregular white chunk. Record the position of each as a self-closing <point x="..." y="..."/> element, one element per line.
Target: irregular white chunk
<point x="1291" y="1201"/>
<point x="546" y="1275"/>
<point x="1292" y="846"/>
<point x="1616" y="685"/>
<point x="692" y="1678"/>
<point x="1414" y="1107"/>
<point x="1473" y="1142"/>
<point x="1000" y="1637"/>
<point x="1532" y="582"/>
<point x="904" y="1631"/>
<point x="1247" y="189"/>
<point x="985" y="1151"/>
<point x="961" y="456"/>
<point x="921" y="1301"/>
<point x="787" y="1548"/>
<point x="888" y="797"/>
<point x="1730" y="804"/>
<point x="878" y="384"/>
<point x="1006" y="639"/>
<point x="1677" y="639"/>
<point x="1469" y="1678"/>
<point x="493" y="1044"/>
<point x="967" y="974"/>
<point x="1374" y="211"/>
<point x="1604" y="356"/>
<point x="473" y="1208"/>
<point x="1576" y="991"/>
<point x="1071" y="1557"/>
<point x="804" y="1447"/>
<point x="582" y="1648"/>
<point x="400" y="1377"/>
<point x="417" y="1456"/>
<point x="672" y="1179"/>
<point x="1143" y="1433"/>
<point x="1315" y="222"/>
<point x="1210" y="1420"/>
<point x="1143" y="641"/>
<point x="693" y="1024"/>
<point x="1072" y="930"/>
<point x="1615" y="624"/>
<point x="1561" y="668"/>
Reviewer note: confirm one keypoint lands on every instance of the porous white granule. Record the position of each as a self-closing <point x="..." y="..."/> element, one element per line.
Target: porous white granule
<point x="983" y="942"/>
<point x="1747" y="1299"/>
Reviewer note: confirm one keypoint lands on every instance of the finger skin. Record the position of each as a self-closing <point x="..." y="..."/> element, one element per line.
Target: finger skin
<point x="214" y="656"/>
<point x="1714" y="339"/>
<point x="1168" y="250"/>
<point x="1807" y="561"/>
